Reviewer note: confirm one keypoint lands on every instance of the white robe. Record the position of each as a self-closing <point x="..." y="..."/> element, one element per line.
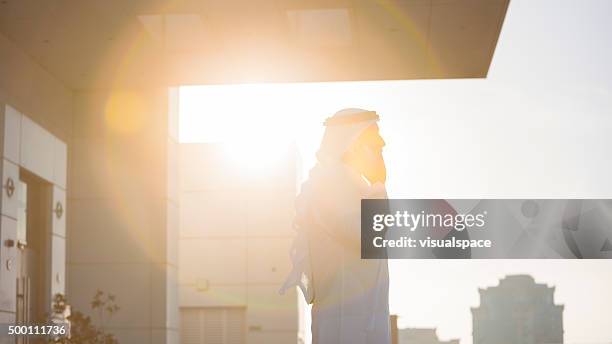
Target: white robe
<point x="350" y="295"/>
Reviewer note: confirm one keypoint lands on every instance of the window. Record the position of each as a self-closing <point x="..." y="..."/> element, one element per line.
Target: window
<point x="213" y="325"/>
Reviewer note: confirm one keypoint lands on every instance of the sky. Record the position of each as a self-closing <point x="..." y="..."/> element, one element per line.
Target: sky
<point x="539" y="126"/>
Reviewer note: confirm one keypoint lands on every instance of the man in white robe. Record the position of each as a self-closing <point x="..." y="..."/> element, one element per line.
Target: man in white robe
<point x="349" y="295"/>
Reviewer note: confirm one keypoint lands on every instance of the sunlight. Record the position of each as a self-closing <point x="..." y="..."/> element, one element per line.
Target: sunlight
<point x="256" y="155"/>
<point x="258" y="123"/>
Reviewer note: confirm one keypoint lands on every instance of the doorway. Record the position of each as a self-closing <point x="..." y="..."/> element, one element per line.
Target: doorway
<point x="33" y="224"/>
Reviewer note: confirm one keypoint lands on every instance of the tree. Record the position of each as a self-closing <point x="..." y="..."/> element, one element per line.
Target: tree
<point x="82" y="328"/>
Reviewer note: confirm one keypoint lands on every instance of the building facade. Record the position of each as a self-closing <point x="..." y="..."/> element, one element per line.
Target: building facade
<point x="422" y="336"/>
<point x="235" y="236"/>
<point x="33" y="220"/>
<point x="518" y="311"/>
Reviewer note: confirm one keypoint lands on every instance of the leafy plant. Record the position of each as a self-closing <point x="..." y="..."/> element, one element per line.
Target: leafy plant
<point x="82" y="328"/>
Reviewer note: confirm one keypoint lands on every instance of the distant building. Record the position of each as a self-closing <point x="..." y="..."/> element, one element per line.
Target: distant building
<point x="422" y="336"/>
<point x="518" y="311"/>
<point x="394" y="330"/>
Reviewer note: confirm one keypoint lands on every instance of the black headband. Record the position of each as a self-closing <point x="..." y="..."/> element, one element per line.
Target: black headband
<point x="350" y="119"/>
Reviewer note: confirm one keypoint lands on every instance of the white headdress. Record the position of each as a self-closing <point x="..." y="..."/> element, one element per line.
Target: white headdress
<point x="341" y="130"/>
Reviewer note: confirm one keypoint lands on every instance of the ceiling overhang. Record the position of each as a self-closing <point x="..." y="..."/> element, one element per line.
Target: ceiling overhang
<point x="101" y="44"/>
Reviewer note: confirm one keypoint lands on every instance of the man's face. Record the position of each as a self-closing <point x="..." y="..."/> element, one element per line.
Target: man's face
<point x="366" y="155"/>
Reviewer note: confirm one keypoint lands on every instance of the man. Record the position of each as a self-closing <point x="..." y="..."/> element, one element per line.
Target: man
<point x="350" y="296"/>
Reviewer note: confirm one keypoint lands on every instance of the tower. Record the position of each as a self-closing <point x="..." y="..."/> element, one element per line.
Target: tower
<point x="518" y="311"/>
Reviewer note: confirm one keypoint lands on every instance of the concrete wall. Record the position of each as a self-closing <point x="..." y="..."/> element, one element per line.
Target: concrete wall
<point x="123" y="221"/>
<point x="235" y="234"/>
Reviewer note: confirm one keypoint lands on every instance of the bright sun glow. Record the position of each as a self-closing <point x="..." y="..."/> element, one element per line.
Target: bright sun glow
<point x="259" y="122"/>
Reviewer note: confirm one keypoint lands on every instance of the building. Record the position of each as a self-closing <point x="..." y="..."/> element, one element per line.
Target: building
<point x="518" y="311"/>
<point x="234" y="240"/>
<point x="89" y="136"/>
<point x="422" y="336"/>
<point x="394" y="330"/>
